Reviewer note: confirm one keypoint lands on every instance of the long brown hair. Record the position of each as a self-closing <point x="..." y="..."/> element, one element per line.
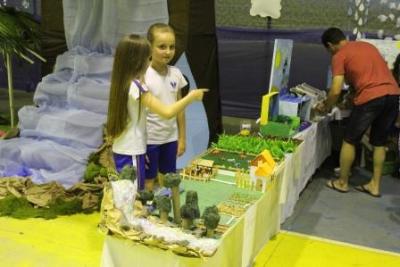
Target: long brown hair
<point x="130" y="60"/>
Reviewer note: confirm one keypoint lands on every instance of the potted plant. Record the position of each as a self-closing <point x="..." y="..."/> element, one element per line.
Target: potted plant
<point x="19" y="35"/>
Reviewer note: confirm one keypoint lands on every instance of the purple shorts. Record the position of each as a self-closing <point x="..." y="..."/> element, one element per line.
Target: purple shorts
<point x="122" y="160"/>
<point x="162" y="158"/>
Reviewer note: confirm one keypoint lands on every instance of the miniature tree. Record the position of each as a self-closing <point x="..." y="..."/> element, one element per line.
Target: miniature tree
<point x="211" y="220"/>
<point x="172" y="180"/>
<point x="190" y="210"/>
<point x="145" y="196"/>
<point x="92" y="170"/>
<point x="192" y="200"/>
<point x="188" y="215"/>
<point x="128" y="172"/>
<point x="164" y="206"/>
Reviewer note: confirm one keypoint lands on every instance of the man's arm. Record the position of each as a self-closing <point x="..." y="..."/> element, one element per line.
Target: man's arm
<point x="334" y="92"/>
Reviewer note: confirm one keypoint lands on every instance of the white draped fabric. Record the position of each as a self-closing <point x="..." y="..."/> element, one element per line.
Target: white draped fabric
<point x="98" y="24"/>
<point x="66" y="123"/>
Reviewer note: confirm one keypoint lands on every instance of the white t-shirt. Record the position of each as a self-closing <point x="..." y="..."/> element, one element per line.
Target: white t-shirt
<point x="132" y="141"/>
<point x="165" y="88"/>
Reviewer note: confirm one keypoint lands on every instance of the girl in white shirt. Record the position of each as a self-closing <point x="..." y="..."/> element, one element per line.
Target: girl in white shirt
<point x="166" y="137"/>
<point x="129" y="98"/>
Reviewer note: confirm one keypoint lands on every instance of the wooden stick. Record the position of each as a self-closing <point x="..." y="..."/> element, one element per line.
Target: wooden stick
<point x="10" y="88"/>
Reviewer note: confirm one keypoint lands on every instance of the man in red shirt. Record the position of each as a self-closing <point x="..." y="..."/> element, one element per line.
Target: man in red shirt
<point x="376" y="103"/>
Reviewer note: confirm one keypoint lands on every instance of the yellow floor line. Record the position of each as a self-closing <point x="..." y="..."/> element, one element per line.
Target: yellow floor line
<point x="75" y="241"/>
<point x="289" y="249"/>
<point x="65" y="241"/>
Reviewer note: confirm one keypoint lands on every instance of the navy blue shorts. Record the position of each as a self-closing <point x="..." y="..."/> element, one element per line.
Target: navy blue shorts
<point x="122" y="160"/>
<point x="161" y="158"/>
<point x="379" y="113"/>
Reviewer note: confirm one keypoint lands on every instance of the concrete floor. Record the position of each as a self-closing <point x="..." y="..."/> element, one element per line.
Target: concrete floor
<point x="352" y="217"/>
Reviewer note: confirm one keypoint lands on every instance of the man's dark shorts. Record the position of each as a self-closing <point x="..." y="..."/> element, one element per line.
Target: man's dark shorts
<point x="379" y="113"/>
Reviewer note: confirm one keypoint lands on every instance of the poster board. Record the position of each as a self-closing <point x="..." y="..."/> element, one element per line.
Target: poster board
<point x="281" y="59"/>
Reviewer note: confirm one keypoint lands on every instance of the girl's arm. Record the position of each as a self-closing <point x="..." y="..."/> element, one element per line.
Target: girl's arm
<point x="180" y="118"/>
<point x="170" y="111"/>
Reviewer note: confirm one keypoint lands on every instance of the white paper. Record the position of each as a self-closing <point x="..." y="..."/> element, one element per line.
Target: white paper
<point x="263" y="8"/>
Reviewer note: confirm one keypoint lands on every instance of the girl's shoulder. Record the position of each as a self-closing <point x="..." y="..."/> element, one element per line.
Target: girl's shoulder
<point x="137" y="87"/>
<point x="174" y="70"/>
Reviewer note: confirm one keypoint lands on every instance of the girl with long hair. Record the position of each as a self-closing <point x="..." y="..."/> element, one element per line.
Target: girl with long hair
<point x="129" y="98"/>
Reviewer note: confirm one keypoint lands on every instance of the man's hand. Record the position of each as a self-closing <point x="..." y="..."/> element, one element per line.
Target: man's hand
<point x="321" y="108"/>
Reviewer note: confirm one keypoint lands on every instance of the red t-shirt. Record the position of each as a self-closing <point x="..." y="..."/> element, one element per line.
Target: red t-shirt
<point x="366" y="70"/>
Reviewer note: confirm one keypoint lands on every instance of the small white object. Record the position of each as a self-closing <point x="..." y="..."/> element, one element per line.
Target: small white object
<point x="336" y="114"/>
<point x="382" y="18"/>
<point x="361" y="7"/>
<point x="264" y="8"/>
<point x="25" y="4"/>
<point x="380" y="33"/>
<point x="358" y="2"/>
<point x="360" y="22"/>
<point x="391" y="16"/>
<point x="350" y="11"/>
<point x="392" y="5"/>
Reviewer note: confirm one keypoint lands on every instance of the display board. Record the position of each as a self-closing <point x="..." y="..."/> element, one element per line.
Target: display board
<point x="280" y="68"/>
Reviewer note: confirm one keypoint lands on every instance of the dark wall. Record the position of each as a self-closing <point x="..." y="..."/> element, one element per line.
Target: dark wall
<point x="244" y="75"/>
<point x="25" y="75"/>
<point x="53" y="37"/>
<point x="245" y="59"/>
